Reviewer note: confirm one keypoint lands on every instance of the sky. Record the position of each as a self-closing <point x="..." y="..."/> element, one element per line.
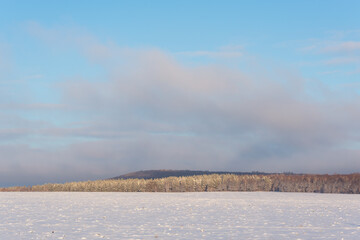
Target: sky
<point x="95" y="89"/>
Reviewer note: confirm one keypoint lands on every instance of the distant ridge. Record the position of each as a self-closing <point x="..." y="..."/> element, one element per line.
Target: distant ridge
<point x="164" y="173"/>
<point x="206" y="181"/>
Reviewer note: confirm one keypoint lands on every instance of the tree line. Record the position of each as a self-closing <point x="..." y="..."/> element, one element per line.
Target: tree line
<point x="209" y="183"/>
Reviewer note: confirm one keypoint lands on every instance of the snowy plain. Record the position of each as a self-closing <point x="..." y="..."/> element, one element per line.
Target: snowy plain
<point x="209" y="215"/>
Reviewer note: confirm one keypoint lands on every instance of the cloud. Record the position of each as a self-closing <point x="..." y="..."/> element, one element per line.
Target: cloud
<point x="332" y="47"/>
<point x="335" y="42"/>
<point x="342" y="60"/>
<point x="340" y="51"/>
<point x="342" y="47"/>
<point x="35" y="76"/>
<point x="262" y="119"/>
<point x="213" y="54"/>
<point x="224" y="52"/>
<point x="152" y="112"/>
<point x="6" y="61"/>
<point x="71" y="39"/>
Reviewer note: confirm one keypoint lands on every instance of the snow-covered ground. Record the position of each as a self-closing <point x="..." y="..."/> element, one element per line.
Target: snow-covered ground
<point x="222" y="215"/>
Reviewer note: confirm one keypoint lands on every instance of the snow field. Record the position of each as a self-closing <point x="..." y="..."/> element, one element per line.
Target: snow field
<point x="206" y="215"/>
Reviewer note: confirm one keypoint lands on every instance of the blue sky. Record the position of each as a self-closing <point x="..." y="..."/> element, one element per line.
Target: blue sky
<point x="92" y="89"/>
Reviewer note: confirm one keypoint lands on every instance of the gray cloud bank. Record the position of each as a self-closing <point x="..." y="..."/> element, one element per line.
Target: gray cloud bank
<point x="152" y="112"/>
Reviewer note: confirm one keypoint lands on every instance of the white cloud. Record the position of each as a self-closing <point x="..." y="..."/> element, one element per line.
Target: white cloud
<point x="230" y="51"/>
<point x="342" y="47"/>
<point x="340" y="51"/>
<point x="156" y="94"/>
<point x="213" y="54"/>
<point x="342" y="60"/>
<point x="150" y="111"/>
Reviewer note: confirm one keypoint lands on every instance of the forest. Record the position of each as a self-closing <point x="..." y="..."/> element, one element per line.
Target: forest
<point x="349" y="183"/>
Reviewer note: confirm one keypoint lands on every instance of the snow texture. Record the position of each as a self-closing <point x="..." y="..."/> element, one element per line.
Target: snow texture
<point x="216" y="215"/>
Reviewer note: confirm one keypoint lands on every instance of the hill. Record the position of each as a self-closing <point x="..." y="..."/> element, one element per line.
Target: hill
<point x="154" y="174"/>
